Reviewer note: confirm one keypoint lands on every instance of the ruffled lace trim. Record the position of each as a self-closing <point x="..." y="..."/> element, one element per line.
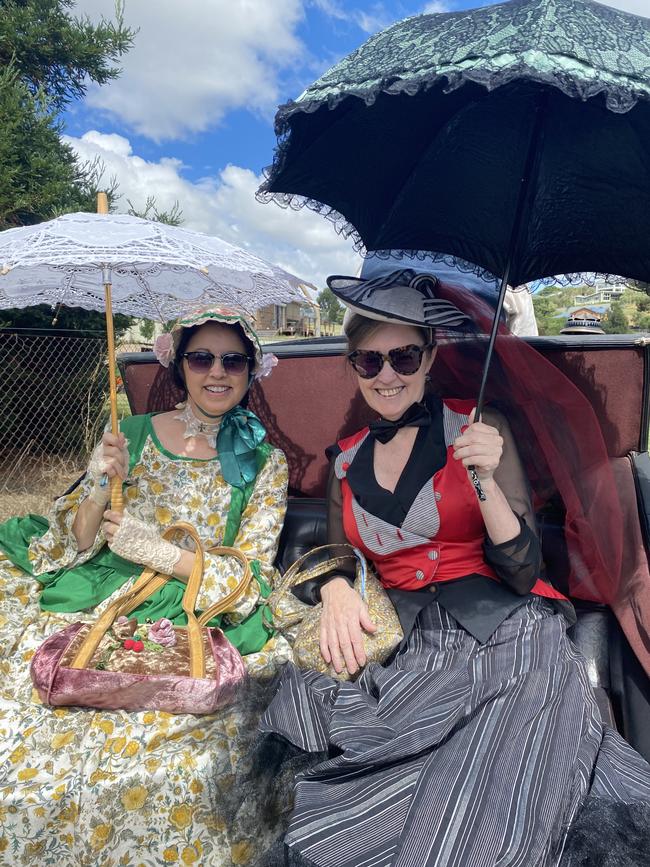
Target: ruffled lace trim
<point x="354" y="78"/>
<point x="346" y="229"/>
<point x="619" y="99"/>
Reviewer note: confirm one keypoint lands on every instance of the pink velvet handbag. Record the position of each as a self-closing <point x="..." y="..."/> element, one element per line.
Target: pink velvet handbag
<point x="194" y="669"/>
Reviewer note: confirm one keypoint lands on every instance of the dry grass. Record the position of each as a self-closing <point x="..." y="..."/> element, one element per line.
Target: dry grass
<point x="38" y="483"/>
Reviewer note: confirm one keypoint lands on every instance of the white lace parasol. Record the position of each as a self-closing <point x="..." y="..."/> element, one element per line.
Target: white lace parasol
<point x="157" y="271"/>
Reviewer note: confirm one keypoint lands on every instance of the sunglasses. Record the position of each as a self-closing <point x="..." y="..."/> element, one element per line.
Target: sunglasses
<point x="201" y="361"/>
<point x="405" y="360"/>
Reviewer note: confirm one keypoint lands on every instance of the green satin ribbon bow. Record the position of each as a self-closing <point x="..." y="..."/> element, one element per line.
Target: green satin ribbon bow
<point x="240" y="433"/>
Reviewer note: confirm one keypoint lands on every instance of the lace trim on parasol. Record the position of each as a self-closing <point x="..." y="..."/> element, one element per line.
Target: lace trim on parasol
<point x="491" y="80"/>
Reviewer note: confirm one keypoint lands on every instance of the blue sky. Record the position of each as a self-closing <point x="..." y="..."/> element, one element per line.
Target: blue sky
<point x="191" y="117"/>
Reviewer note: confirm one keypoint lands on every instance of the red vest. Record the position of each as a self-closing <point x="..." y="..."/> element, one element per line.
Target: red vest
<point x="442" y="535"/>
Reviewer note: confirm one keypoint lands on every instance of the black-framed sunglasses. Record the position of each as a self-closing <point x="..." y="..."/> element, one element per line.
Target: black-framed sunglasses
<point x="201" y="361"/>
<point x="405" y="360"/>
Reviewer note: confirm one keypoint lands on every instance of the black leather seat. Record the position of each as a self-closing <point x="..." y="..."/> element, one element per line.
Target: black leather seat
<point x="305" y="527"/>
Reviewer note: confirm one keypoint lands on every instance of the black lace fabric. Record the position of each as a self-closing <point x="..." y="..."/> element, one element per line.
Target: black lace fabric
<point x="581" y="48"/>
<point x="565" y="43"/>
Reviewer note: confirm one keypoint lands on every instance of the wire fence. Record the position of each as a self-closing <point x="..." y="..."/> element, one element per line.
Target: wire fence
<point x="53" y="408"/>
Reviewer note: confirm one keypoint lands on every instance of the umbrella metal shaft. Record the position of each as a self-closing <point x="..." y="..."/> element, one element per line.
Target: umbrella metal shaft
<point x="528" y="175"/>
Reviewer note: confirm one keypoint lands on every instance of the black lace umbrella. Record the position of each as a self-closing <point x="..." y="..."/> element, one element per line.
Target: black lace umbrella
<point x="515" y="137"/>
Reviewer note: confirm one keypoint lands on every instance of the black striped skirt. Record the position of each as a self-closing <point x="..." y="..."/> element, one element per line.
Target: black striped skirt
<point x="457" y="754"/>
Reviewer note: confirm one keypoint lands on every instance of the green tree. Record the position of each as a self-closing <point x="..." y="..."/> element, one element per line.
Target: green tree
<point x="39" y="175"/>
<point x="331" y="309"/>
<point x="643" y="304"/>
<point x="147" y="327"/>
<point x="43" y="316"/>
<point x="56" y="54"/>
<point x="616" y="321"/>
<point x="172" y="217"/>
<point x="547" y="307"/>
<point x="48" y="57"/>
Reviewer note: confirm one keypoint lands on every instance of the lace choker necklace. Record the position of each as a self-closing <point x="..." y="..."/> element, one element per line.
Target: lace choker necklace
<point x="194" y="427"/>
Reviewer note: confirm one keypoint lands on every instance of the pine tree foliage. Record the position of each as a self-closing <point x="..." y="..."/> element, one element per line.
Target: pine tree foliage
<point x="58" y="54"/>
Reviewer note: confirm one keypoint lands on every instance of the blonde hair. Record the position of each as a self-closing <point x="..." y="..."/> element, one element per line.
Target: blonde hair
<point x="361" y="327"/>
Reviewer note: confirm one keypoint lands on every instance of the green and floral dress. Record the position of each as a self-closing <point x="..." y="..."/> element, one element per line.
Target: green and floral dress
<point x="81" y="787"/>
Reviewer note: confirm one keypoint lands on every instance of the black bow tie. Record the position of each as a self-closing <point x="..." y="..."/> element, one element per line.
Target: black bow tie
<point x="417" y="415"/>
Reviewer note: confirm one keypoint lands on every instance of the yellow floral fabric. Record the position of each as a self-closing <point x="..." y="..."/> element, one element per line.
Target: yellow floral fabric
<point x="83" y="787"/>
<point x="163" y="490"/>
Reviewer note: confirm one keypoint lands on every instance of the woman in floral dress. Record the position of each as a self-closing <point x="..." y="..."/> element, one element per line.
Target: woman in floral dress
<point x="79" y="786"/>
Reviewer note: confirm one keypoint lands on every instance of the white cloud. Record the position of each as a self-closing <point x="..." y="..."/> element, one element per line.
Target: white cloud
<point x="436" y="6"/>
<point x="194" y="61"/>
<point x="377" y="18"/>
<point x="638" y="7"/>
<point x="299" y="241"/>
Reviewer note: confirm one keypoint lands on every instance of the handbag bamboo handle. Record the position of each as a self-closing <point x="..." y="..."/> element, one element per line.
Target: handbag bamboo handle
<point x="194" y="634"/>
<point x="289" y="577"/>
<point x="146" y="585"/>
<point x="223" y="604"/>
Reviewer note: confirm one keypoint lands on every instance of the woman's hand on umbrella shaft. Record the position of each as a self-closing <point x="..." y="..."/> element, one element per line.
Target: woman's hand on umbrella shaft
<point x="115" y="456"/>
<point x="111" y="525"/>
<point x="109" y="458"/>
<point x="479" y="446"/>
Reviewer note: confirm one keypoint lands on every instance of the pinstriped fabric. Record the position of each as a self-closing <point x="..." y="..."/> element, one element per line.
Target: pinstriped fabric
<point x="452" y="423"/>
<point x="457" y="754"/>
<point x="423" y="515"/>
<point x="381" y="537"/>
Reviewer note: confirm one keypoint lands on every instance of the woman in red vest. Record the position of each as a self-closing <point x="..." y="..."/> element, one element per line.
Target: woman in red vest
<point x="479" y="742"/>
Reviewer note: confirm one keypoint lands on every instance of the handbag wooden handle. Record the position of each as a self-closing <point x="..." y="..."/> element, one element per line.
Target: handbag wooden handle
<point x="147" y="584"/>
<point x="293" y="572"/>
<point x="219" y="607"/>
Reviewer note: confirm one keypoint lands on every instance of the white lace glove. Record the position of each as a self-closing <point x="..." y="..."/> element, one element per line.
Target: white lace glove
<point x="109" y="458"/>
<point x="142" y="543"/>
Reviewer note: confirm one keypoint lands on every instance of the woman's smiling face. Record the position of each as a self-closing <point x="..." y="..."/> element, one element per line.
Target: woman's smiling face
<point x="215" y="392"/>
<point x="391" y="393"/>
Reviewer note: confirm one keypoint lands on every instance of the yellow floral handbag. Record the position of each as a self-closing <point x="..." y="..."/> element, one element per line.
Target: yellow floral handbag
<point x="300" y="623"/>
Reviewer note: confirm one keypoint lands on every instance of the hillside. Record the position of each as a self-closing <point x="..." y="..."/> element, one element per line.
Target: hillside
<point x="620" y="311"/>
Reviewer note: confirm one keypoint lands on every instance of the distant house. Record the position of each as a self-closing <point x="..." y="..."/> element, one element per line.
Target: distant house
<point x="603" y="294"/>
<point x="586" y="313"/>
<point x="293" y="318"/>
<point x="581" y="312"/>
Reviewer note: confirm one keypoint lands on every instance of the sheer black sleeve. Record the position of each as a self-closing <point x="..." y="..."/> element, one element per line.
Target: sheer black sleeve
<point x="518" y="561"/>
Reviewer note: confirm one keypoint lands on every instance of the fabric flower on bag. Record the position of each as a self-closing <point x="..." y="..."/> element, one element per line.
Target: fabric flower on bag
<point x="162" y="632"/>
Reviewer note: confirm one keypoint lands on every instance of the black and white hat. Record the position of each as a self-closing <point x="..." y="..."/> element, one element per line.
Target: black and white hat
<point x="402" y="295"/>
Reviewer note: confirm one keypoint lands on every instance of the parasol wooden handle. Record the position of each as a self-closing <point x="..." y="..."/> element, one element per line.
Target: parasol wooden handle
<point x="117" y="500"/>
